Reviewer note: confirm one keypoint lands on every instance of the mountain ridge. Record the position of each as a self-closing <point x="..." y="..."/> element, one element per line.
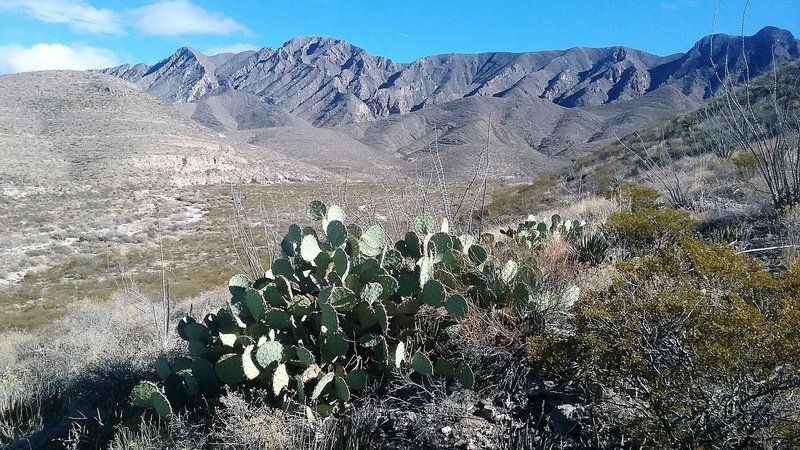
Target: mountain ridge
<point x="328" y="81"/>
<point x="531" y="108"/>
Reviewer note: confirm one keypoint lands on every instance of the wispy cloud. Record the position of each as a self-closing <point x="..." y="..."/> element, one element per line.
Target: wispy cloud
<point x="15" y="58"/>
<point x="678" y="4"/>
<point x="181" y="17"/>
<point x="79" y="15"/>
<point x="233" y="48"/>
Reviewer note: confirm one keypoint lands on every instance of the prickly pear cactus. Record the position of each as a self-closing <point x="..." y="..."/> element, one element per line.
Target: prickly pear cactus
<point x="337" y="312"/>
<point x="533" y="232"/>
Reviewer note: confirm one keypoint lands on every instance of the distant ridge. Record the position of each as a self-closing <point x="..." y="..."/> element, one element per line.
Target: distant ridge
<point x="328" y="81"/>
<point x="535" y="105"/>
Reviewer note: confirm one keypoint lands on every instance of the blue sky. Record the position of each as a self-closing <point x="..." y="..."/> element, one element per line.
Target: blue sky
<point x="79" y="34"/>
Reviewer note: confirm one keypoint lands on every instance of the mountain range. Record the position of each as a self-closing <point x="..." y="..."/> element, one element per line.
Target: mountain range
<point x="530" y="107"/>
<point x="331" y="106"/>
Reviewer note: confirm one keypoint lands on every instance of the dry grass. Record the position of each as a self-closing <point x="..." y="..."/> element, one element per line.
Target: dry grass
<point x="84" y="366"/>
<point x="557" y="263"/>
<point x="60" y="249"/>
<point x="595" y="210"/>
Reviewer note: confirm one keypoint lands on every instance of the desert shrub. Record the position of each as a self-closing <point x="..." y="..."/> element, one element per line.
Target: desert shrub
<point x="634" y="196"/>
<point x="699" y="345"/>
<point x="745" y="165"/>
<point x="645" y="228"/>
<point x="761" y="119"/>
<point x="176" y="434"/>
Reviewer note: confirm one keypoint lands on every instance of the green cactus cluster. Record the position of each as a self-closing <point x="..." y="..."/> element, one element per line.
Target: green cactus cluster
<point x="337" y="311"/>
<point x="533" y="232"/>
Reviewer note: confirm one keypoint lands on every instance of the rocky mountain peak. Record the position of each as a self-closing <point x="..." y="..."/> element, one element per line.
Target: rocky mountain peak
<point x="328" y="81"/>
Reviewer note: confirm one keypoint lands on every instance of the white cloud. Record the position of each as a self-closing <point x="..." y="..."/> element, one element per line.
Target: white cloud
<point x="233" y="48"/>
<point x="180" y="17"/>
<point x="15" y="58"/>
<point x="79" y="15"/>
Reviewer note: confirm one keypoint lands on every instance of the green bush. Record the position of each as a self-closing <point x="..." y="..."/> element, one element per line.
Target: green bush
<point x="701" y="344"/>
<point x="745" y="164"/>
<point x="646" y="228"/>
<point x="335" y="314"/>
<point x="634" y="196"/>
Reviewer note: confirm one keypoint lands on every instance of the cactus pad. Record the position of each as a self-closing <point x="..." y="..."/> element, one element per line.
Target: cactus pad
<point x="309" y="248"/>
<point x="357" y="380"/>
<point x="239" y="281"/>
<point x="421" y="364"/>
<point x="140" y="395"/>
<point x="465" y="376"/>
<point x="203" y="371"/>
<point x="342" y="390"/>
<point x="342" y="297"/>
<point x="336" y="232"/>
<point x="477" y="254"/>
<point x="336" y="344"/>
<point x="280" y="379"/>
<point x="255" y="304"/>
<point x="423" y="225"/>
<point x="329" y="319"/>
<point x="162" y="368"/>
<point x="274" y="297"/>
<point x="440" y="243"/>
<point x="321" y="384"/>
<point x="426" y="266"/>
<point x="197" y="349"/>
<point x="197" y="331"/>
<point x="251" y="370"/>
<point x="444" y="368"/>
<point x="381" y="317"/>
<point x="399" y="354"/>
<point x="371" y="292"/>
<point x="509" y="271"/>
<point x="304" y="356"/>
<point x="316" y="210"/>
<point x="392" y="260"/>
<point x="433" y="293"/>
<point x="160" y="403"/>
<point x="335" y="212"/>
<point x="372" y="241"/>
<point x="278" y="319"/>
<point x="268" y="353"/>
<point x="289" y="243"/>
<point x="456" y="306"/>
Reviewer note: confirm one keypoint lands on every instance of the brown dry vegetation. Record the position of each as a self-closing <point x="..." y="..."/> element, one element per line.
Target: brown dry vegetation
<point x="59" y="249"/>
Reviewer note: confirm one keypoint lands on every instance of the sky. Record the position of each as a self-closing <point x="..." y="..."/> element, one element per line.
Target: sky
<point x="83" y="34"/>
